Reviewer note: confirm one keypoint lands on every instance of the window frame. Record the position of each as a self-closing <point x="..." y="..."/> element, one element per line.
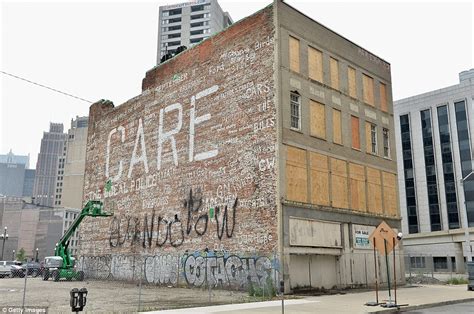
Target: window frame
<point x="386" y="135"/>
<point x="293" y="103"/>
<point x="373" y="139"/>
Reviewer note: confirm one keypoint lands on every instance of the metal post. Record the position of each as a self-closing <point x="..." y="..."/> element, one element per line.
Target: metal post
<point x="207" y="278"/>
<point x="24" y="289"/>
<point x="394" y="272"/>
<point x="432" y="266"/>
<point x="376" y="276"/>
<point x="177" y="274"/>
<point x="388" y="271"/>
<point x="409" y="265"/>
<point x="140" y="289"/>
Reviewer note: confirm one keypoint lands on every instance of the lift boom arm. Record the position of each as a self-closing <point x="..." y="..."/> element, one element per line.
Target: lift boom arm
<point x="92" y="208"/>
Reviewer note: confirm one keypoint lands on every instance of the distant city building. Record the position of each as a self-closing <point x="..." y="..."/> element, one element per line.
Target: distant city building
<point x="435" y="164"/>
<point x="70" y="178"/>
<point x="50" y="159"/>
<point x="34" y="227"/>
<point x="188" y="23"/>
<point x="11" y="158"/>
<point x="29" y="182"/>
<point x="15" y="177"/>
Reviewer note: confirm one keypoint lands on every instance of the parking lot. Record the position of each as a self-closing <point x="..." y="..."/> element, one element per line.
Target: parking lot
<point x="109" y="296"/>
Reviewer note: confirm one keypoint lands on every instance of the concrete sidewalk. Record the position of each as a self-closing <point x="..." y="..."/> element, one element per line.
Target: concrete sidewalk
<point x="413" y="298"/>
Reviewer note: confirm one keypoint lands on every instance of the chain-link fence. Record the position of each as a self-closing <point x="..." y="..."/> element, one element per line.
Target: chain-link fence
<point x="434" y="269"/>
<point x="131" y="283"/>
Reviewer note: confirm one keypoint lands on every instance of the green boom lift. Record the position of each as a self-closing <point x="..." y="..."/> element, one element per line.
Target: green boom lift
<point x="61" y="265"/>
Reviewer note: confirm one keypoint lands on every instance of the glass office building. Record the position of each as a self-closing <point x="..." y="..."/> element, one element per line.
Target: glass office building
<point x="435" y="163"/>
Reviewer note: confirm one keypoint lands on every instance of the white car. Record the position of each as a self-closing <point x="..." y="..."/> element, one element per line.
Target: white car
<point x="6" y="268"/>
<point x="11" y="269"/>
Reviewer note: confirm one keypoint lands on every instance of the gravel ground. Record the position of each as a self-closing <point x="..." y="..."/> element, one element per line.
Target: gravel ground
<point x="109" y="296"/>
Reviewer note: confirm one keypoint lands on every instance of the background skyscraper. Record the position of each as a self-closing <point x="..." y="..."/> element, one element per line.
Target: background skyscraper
<point x="188" y="23"/>
<point x="15" y="177"/>
<point x="52" y="153"/>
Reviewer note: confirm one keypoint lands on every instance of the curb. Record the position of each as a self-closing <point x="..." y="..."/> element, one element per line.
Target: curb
<point x="423" y="306"/>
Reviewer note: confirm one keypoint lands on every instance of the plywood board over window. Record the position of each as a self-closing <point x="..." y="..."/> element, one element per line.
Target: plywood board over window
<point x="383" y="97"/>
<point x="390" y="193"/>
<point x="334" y="70"/>
<point x="319" y="179"/>
<point x="296" y="175"/>
<point x="336" y="126"/>
<point x="351" y="80"/>
<point x="318" y="119"/>
<point x="368" y="89"/>
<point x="339" y="183"/>
<point x="294" y="54"/>
<point x="357" y="186"/>
<point x="374" y="191"/>
<point x="355" y="132"/>
<point x="315" y="64"/>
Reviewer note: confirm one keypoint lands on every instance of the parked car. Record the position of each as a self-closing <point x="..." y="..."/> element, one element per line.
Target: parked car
<point x="17" y="270"/>
<point x="11" y="269"/>
<point x="5" y="268"/>
<point x="34" y="268"/>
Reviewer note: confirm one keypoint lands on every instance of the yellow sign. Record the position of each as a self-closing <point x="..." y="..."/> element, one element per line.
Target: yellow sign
<point x="383" y="236"/>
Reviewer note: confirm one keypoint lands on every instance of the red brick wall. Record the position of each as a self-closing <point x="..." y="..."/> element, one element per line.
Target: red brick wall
<point x="212" y="189"/>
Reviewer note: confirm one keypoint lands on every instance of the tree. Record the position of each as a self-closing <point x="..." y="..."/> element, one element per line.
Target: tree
<point x="20" y="256"/>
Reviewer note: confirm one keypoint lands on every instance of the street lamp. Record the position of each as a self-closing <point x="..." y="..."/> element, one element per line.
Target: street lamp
<point x="465" y="223"/>
<point x="3" y="237"/>
<point x="36" y="259"/>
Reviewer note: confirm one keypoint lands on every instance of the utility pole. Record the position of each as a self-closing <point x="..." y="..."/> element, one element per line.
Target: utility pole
<point x="3" y="237"/>
<point x="465" y="222"/>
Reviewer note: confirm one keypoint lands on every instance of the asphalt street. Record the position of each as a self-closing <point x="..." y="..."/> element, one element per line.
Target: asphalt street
<point x="459" y="308"/>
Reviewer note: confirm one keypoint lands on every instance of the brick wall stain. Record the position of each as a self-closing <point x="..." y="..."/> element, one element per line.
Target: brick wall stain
<point x="190" y="163"/>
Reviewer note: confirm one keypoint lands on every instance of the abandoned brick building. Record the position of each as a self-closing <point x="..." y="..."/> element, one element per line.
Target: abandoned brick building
<point x="266" y="151"/>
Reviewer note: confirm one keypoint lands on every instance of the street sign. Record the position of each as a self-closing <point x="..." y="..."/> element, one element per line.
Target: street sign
<point x="383" y="233"/>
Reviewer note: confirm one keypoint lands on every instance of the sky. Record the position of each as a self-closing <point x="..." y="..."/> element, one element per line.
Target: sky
<point x="102" y="50"/>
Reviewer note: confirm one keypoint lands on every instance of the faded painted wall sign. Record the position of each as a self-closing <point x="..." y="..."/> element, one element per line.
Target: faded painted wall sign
<point x="190" y="163"/>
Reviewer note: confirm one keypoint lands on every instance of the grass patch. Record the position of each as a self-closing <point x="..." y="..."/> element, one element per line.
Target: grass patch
<point x="457" y="281"/>
<point x="266" y="290"/>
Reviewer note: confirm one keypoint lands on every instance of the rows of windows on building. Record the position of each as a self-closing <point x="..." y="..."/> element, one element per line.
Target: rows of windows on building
<point x="453" y="204"/>
<point x="60" y="178"/>
<point x="171" y="27"/>
<point x="435" y="263"/>
<point x="318" y="110"/>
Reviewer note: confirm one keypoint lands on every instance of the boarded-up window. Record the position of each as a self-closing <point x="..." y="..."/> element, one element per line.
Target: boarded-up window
<point x="368" y="89"/>
<point x="357" y="185"/>
<point x="337" y="126"/>
<point x="390" y="193"/>
<point x="294" y="54"/>
<point x="339" y="183"/>
<point x="315" y="64"/>
<point x="334" y="69"/>
<point x="319" y="179"/>
<point x="355" y="132"/>
<point x="318" y="119"/>
<point x="296" y="177"/>
<point x="383" y="97"/>
<point x="374" y="191"/>
<point x="351" y="79"/>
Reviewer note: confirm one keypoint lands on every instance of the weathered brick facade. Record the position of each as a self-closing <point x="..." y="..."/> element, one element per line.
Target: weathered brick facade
<point x="190" y="163"/>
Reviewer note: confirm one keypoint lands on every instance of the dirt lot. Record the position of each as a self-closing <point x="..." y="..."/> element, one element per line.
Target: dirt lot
<point x="109" y="296"/>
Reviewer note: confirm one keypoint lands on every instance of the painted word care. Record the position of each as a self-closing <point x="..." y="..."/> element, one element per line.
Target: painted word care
<point x="166" y="136"/>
